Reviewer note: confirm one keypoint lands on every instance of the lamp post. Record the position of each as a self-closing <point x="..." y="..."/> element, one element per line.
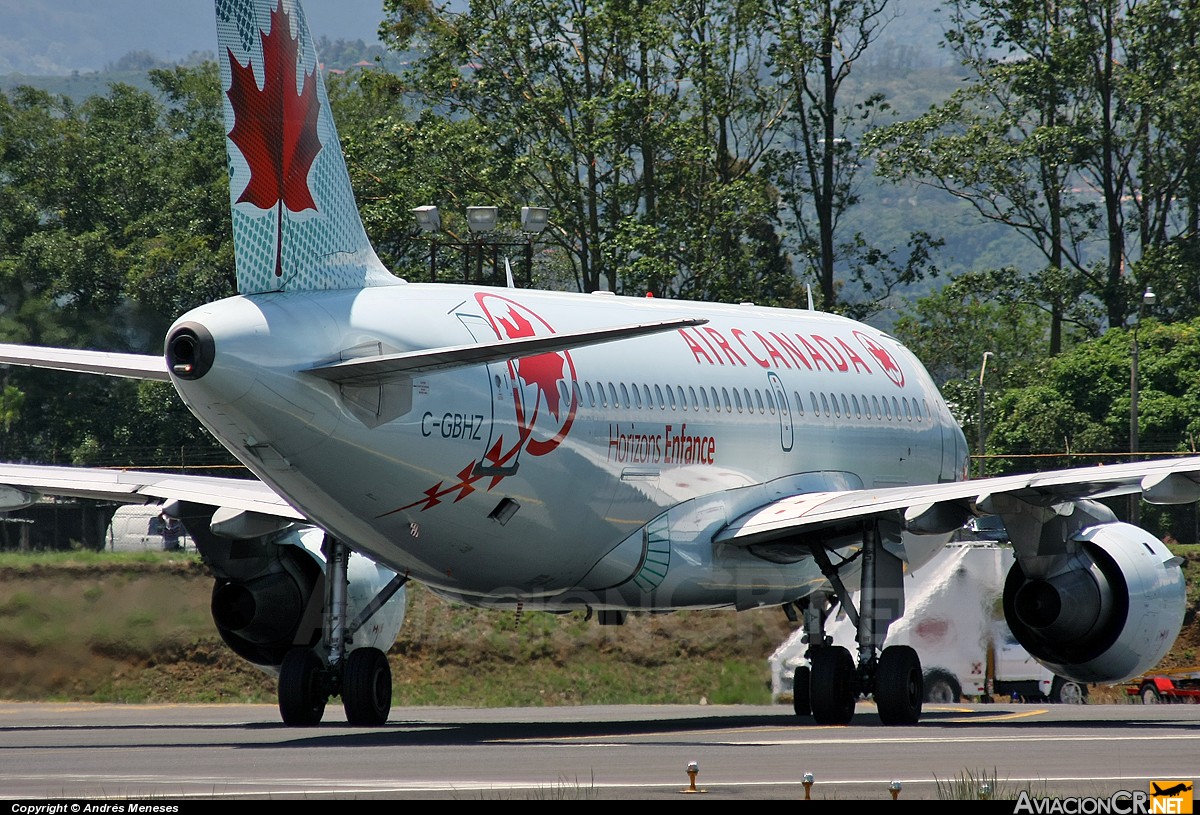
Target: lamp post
<point x="982" y="435"/>
<point x="481" y="222"/>
<point x="1148" y="299"/>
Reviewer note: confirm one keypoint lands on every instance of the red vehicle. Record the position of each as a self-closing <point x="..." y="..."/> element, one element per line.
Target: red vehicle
<point x="1174" y="687"/>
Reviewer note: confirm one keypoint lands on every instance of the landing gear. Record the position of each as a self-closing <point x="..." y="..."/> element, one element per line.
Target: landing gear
<point x="302" y="693"/>
<point x="833" y="685"/>
<point x="367" y="687"/>
<point x="892" y="675"/>
<point x="899" y="686"/>
<point x="801" y="682"/>
<point x="362" y="677"/>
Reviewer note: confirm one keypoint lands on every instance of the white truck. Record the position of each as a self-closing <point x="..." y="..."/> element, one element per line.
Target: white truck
<point x="954" y="619"/>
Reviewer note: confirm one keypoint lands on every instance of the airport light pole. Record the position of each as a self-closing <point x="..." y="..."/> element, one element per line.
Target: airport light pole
<point x="982" y="392"/>
<point x="1148" y="299"/>
<point x="481" y="222"/>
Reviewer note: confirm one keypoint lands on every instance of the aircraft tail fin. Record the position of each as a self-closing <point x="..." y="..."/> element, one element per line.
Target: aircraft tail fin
<point x="296" y="225"/>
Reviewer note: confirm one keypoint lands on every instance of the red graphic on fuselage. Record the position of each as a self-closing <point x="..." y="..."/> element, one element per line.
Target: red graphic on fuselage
<point x="883" y="357"/>
<point x="542" y="418"/>
<point x="781" y="350"/>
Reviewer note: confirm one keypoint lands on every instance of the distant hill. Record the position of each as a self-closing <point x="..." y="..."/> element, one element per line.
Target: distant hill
<point x="62" y="37"/>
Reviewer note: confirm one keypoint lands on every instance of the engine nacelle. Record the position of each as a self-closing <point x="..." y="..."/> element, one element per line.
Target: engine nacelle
<point x="269" y="591"/>
<point x="1104" y="613"/>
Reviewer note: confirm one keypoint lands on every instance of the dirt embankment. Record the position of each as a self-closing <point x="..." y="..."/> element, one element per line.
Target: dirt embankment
<point x="143" y="633"/>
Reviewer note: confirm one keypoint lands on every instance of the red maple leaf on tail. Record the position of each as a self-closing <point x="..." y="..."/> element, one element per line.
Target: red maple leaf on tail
<point x="276" y="128"/>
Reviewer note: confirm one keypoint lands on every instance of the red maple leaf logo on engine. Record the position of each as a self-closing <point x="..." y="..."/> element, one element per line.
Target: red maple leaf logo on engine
<point x="276" y="127"/>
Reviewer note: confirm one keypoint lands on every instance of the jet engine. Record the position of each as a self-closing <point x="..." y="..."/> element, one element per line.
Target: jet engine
<point x="1106" y="608"/>
<point x="269" y="590"/>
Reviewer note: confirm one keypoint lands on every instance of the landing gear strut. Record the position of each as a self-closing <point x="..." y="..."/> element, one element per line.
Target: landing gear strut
<point x="891" y="675"/>
<point x="308" y="677"/>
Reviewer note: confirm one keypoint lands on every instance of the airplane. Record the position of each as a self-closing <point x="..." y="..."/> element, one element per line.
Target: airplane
<point x="573" y="452"/>
<point x="1170" y="791"/>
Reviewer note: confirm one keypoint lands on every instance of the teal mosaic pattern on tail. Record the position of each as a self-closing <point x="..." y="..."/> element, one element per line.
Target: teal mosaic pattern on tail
<point x="295" y="222"/>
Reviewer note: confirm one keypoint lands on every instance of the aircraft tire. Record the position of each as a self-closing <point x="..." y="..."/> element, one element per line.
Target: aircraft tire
<point x="302" y="696"/>
<point x="367" y="687"/>
<point x="831" y="688"/>
<point x="801" y="683"/>
<point x="899" y="686"/>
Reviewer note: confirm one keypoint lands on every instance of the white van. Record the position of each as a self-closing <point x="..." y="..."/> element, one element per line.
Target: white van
<point x="139" y="528"/>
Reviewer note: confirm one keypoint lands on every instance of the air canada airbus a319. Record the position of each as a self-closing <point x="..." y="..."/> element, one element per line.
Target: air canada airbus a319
<point x="513" y="448"/>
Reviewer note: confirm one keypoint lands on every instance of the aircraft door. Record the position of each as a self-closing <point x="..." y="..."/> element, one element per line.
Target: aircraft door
<point x="786" y="432"/>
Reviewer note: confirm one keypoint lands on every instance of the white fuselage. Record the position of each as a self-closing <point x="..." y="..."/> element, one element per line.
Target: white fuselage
<point x="546" y="480"/>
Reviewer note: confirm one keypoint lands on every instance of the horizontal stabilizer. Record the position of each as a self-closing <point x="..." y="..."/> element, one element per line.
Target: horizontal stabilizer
<point x="133" y="366"/>
<point x="389" y="367"/>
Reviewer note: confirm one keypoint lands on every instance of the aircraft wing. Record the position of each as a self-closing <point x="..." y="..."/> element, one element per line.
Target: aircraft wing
<point x="1165" y="481"/>
<point x="134" y="366"/>
<point x="22" y="484"/>
<point x="386" y="367"/>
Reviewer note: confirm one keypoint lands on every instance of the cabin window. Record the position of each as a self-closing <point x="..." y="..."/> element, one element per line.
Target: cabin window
<point x="895" y="408"/>
<point x="749" y="403"/>
<point x="601" y="395"/>
<point x="825" y="405"/>
<point x="612" y="395"/>
<point x="798" y="402"/>
<point x="771" y="403"/>
<point x="563" y="393"/>
<point x="716" y="400"/>
<point x="671" y="397"/>
<point x="857" y="407"/>
<point x="649" y="398"/>
<point x="659" y="398"/>
<point x="737" y="400"/>
<point x="637" y="397"/>
<point x="692" y="400"/>
<point x="907" y="410"/>
<point x="758" y="401"/>
<point x="704" y="399"/>
<point x="683" y="405"/>
<point x="725" y="399"/>
<point x="812" y="398"/>
<point x="625" y="396"/>
<point x="591" y="397"/>
<point x="837" y="408"/>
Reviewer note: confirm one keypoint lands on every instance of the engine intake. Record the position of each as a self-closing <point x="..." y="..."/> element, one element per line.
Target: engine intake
<point x="1104" y="614"/>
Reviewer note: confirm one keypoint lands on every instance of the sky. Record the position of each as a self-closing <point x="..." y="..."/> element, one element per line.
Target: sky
<point x="61" y="36"/>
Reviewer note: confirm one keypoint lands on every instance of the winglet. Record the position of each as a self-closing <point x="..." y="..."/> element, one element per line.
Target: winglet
<point x="295" y="222"/>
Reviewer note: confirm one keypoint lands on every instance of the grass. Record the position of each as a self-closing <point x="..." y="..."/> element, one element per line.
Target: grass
<point x="135" y="627"/>
<point x="980" y="785"/>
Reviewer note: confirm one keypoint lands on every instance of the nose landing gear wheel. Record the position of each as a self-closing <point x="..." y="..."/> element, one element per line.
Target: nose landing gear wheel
<point x="367" y="687"/>
<point x="832" y="685"/>
<point x="302" y="694"/>
<point x="899" y="685"/>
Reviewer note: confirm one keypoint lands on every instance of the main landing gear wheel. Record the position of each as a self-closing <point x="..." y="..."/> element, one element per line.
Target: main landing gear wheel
<point x="899" y="686"/>
<point x="832" y="685"/>
<point x="302" y="694"/>
<point x="801" y="682"/>
<point x="367" y="687"/>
